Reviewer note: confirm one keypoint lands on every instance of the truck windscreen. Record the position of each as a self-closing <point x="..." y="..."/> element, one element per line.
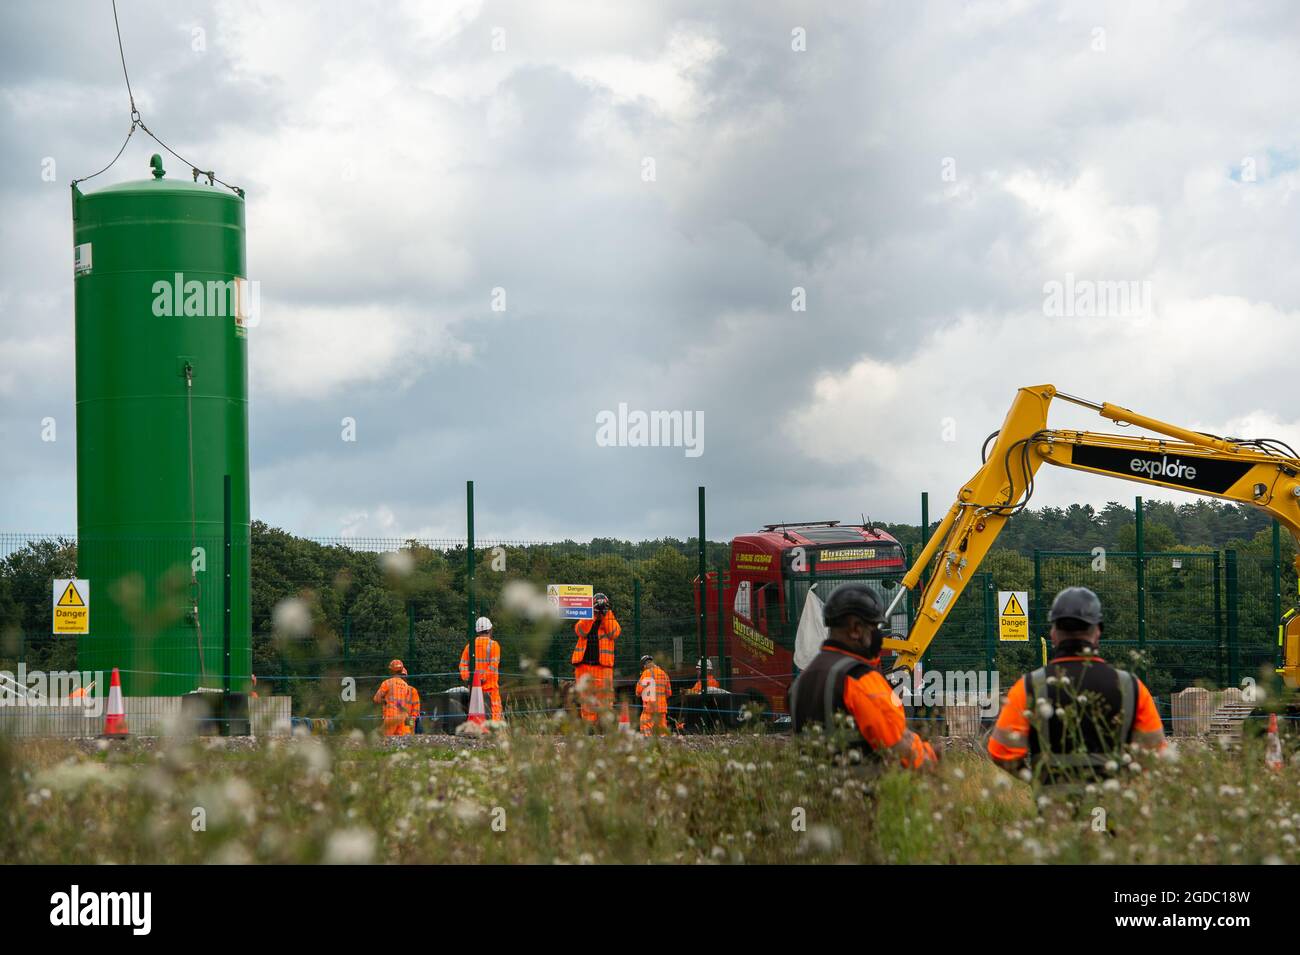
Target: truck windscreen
<point x="885" y="584"/>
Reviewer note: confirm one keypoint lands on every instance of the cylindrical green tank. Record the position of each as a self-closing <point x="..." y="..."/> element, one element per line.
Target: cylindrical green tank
<point x="162" y="315"/>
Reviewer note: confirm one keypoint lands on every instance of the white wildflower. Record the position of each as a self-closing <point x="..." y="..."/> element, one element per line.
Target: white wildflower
<point x="355" y="846"/>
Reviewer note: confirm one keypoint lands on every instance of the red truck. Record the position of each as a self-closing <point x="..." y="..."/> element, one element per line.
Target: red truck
<point x="763" y="594"/>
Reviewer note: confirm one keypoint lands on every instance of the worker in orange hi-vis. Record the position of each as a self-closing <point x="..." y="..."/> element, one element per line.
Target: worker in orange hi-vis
<point x="593" y="659"/>
<point x="487" y="663"/>
<point x="654" y="688"/>
<point x="706" y="665"/>
<point x="843" y="690"/>
<point x="400" y="700"/>
<point x="1067" y="724"/>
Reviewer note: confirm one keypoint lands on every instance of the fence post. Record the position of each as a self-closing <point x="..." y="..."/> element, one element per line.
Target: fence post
<point x="469" y="562"/>
<point x="1230" y="572"/>
<point x="704" y="593"/>
<point x="925" y="535"/>
<point x="1141" y="584"/>
<point x="1277" y="586"/>
<point x="1036" y="614"/>
<point x="1218" y="620"/>
<point x="990" y="624"/>
<point x="636" y="619"/>
<point x="925" y="573"/>
<point x="347" y="635"/>
<point x="724" y="675"/>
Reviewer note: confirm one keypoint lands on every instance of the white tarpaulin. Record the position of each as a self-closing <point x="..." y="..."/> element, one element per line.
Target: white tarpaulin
<point x="812" y="632"/>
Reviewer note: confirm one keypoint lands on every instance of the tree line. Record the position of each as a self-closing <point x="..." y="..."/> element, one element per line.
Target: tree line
<point x="356" y="608"/>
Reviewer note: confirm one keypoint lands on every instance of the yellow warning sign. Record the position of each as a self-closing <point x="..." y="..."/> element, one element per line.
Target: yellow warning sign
<point x="1013" y="622"/>
<point x="71" y="606"/>
<point x="71" y="597"/>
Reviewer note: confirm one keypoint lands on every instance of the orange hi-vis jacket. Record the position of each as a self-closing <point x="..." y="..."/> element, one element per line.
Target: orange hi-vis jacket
<point x="657" y="676"/>
<point x="1010" y="742"/>
<point x="487" y="660"/>
<point x="401" y="703"/>
<point x="840" y="679"/>
<point x="608" y="633"/>
<point x="713" y="682"/>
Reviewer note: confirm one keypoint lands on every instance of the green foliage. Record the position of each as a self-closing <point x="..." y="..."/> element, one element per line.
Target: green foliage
<point x="25" y="578"/>
<point x="360" y="603"/>
<point x="562" y="797"/>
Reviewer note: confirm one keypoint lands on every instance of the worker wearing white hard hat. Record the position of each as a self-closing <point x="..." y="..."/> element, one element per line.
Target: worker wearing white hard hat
<point x="705" y="666"/>
<point x="487" y="664"/>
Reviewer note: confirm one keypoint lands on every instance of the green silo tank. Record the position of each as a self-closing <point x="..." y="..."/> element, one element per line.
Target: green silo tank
<point x="162" y="315"/>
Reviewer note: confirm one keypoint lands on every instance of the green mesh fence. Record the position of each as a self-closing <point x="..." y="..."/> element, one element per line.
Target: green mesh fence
<point x="328" y="614"/>
<point x="329" y="611"/>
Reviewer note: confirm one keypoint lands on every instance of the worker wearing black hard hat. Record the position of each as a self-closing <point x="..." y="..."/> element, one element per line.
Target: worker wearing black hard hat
<point x="593" y="660"/>
<point x="1066" y="724"/>
<point x="843" y="688"/>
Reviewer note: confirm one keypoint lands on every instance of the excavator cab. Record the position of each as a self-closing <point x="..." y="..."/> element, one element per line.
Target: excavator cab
<point x="1288" y="645"/>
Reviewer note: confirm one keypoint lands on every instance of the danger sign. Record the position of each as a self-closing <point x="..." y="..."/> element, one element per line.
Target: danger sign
<point x="571" y="601"/>
<point x="71" y="606"/>
<point x="1013" y="621"/>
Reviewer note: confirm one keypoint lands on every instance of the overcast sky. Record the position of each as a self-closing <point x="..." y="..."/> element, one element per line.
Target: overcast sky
<point x="922" y="171"/>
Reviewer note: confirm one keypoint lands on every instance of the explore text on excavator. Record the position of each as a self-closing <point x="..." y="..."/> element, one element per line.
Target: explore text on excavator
<point x="1258" y="471"/>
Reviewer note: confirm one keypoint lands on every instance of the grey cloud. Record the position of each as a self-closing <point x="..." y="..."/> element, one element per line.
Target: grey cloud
<point x="475" y="170"/>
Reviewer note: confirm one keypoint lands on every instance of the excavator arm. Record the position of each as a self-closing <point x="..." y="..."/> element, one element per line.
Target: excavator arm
<point x="1260" y="472"/>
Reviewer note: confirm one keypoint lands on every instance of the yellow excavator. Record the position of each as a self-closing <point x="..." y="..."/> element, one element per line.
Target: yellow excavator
<point x="1260" y="471"/>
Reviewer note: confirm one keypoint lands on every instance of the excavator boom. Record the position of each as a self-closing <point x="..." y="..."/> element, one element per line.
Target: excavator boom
<point x="1263" y="473"/>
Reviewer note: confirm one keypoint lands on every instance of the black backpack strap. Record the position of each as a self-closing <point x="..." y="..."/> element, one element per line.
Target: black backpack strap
<point x="1035" y="690"/>
<point x="833" y="697"/>
<point x="1128" y="694"/>
<point x="1036" y="683"/>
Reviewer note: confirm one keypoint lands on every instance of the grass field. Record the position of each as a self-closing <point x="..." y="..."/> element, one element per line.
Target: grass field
<point x="559" y="797"/>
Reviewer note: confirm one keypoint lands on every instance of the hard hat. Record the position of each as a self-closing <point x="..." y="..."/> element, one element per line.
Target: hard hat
<point x="647" y="659"/>
<point x="396" y="666"/>
<point x="482" y="625"/>
<point x="1076" y="603"/>
<point x="853" y="600"/>
<point x="600" y="600"/>
<point x="700" y="663"/>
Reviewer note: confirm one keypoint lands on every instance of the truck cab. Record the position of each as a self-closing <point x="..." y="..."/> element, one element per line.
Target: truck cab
<point x="753" y="610"/>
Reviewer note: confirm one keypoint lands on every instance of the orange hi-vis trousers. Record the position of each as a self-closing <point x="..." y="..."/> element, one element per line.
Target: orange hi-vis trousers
<point x="654" y="688"/>
<point x="595" y="687"/>
<point x="401" y="706"/>
<point x="654" y="717"/>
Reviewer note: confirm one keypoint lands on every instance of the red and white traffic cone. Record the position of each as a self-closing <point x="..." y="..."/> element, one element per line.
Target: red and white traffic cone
<point x="115" y="719"/>
<point x="624" y="719"/>
<point x="477" y="716"/>
<point x="1273" y="750"/>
